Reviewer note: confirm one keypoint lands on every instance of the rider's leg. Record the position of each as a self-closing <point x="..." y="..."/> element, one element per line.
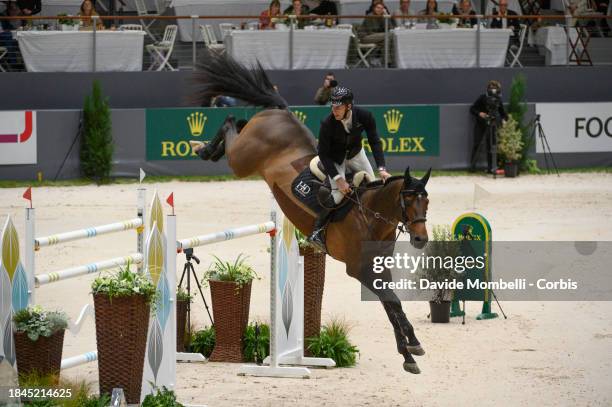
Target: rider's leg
<point x="360" y="163"/>
<point x="318" y="236"/>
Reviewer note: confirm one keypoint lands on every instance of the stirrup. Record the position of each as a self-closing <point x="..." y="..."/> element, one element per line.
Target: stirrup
<point x="316" y="240"/>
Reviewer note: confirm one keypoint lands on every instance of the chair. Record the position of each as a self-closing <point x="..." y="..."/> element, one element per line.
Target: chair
<point x="3" y="52"/>
<point x="211" y="34"/>
<point x="514" y="51"/>
<point x="161" y="51"/>
<point x="363" y="51"/>
<point x="141" y="9"/>
<point x="130" y="27"/>
<point x="210" y="45"/>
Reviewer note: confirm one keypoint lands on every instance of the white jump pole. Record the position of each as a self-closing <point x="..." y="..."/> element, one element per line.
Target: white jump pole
<point x="228" y="234"/>
<point x="87" y="233"/>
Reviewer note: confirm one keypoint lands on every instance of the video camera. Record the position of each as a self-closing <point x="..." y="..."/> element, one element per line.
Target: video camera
<point x="493" y="103"/>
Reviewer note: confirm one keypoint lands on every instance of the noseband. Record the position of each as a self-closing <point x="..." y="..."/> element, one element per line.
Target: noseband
<point x="409" y="193"/>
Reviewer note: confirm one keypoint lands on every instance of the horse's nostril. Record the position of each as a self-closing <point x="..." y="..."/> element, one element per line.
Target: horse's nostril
<point x="418" y="239"/>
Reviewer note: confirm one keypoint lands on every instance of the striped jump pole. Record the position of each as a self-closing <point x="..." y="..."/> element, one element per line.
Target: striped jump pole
<point x="136" y="258"/>
<point x="228" y="234"/>
<point x="79" y="359"/>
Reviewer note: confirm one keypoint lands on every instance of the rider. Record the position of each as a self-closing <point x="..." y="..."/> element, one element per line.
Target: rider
<point x="340" y="147"/>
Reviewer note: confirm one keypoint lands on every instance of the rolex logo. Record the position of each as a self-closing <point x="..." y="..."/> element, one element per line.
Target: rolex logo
<point x="196" y="122"/>
<point x="301" y="116"/>
<point x="393" y="118"/>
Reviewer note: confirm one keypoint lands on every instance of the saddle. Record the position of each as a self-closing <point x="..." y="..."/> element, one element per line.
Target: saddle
<point x="307" y="185"/>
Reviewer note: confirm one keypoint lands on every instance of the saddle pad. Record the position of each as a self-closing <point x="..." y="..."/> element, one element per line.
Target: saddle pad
<point x="305" y="188"/>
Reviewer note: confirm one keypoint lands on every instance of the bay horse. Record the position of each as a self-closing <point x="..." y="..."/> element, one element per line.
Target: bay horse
<point x="277" y="146"/>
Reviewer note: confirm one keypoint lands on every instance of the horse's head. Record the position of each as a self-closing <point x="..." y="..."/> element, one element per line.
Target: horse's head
<point x="414" y="202"/>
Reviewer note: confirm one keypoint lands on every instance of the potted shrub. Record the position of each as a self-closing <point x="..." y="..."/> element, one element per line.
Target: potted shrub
<point x="230" y="291"/>
<point x="443" y="245"/>
<point x="67" y="24"/>
<point x="39" y="340"/>
<point x="122" y="305"/>
<point x="183" y="301"/>
<point x="314" y="282"/>
<point x="510" y="146"/>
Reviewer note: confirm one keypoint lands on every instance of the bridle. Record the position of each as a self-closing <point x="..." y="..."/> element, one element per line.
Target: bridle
<point x="419" y="196"/>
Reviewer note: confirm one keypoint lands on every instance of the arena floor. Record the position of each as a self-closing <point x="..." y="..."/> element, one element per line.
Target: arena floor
<point x="545" y="354"/>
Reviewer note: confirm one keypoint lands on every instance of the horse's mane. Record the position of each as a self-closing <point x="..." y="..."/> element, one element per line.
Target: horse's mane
<point x="220" y="74"/>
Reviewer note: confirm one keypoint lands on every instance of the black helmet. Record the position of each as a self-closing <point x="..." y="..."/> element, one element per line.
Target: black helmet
<point x="341" y="95"/>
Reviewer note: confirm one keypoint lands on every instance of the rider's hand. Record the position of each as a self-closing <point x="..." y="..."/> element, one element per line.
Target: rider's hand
<point x="483" y="115"/>
<point x="343" y="186"/>
<point x="196" y="145"/>
<point x="384" y="175"/>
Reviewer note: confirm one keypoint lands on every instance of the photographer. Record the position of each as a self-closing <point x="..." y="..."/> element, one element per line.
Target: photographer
<point x="324" y="92"/>
<point x="489" y="112"/>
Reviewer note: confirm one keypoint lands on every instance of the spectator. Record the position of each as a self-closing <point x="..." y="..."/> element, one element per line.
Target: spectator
<point x="372" y="31"/>
<point x="577" y="8"/>
<point x="298" y="9"/>
<point x="11" y="11"/>
<point x="465" y="8"/>
<point x="401" y="15"/>
<point x="431" y="9"/>
<point x="326" y="8"/>
<point x="502" y="21"/>
<point x="324" y="92"/>
<point x="88" y="10"/>
<point x="370" y="10"/>
<point x="29" y="7"/>
<point x="6" y="36"/>
<point x="269" y="17"/>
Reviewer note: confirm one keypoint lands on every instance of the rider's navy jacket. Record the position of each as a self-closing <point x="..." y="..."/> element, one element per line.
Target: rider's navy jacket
<point x="336" y="145"/>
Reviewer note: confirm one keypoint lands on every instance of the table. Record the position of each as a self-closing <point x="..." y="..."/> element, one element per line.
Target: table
<point x="552" y="43"/>
<point x="71" y="51"/>
<point x="217" y="8"/>
<point x="312" y="49"/>
<point x="450" y="48"/>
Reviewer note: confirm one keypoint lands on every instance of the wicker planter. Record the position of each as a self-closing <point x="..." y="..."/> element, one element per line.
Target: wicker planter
<point x="181" y="324"/>
<point x="231" y="313"/>
<point x="43" y="356"/>
<point x="314" y="282"/>
<point x="121" y="335"/>
<point x="511" y="169"/>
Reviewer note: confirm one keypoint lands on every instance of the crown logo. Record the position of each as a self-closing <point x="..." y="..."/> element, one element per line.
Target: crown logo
<point x="301" y="116"/>
<point x="393" y="118"/>
<point x="196" y="122"/>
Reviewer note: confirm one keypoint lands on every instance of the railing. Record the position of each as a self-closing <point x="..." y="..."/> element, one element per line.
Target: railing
<point x="300" y="42"/>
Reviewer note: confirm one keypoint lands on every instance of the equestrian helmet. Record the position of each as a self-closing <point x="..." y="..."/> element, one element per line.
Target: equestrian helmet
<point x="341" y="95"/>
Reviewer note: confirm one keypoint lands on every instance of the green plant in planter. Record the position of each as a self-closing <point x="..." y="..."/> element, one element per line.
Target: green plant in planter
<point x="333" y="343"/>
<point x="510" y="143"/>
<point x="125" y="283"/>
<point x="203" y="341"/>
<point x="36" y="322"/>
<point x="256" y="343"/>
<point x="303" y="242"/>
<point x="162" y="398"/>
<point x="239" y="272"/>
<point x="444" y="245"/>
<point x="182" y="295"/>
<point x="66" y="21"/>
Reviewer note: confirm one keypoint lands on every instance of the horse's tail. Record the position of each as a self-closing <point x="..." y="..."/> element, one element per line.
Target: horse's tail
<point x="223" y="75"/>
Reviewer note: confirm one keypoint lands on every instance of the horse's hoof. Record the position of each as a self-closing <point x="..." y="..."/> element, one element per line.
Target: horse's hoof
<point x="412" y="368"/>
<point x="416" y="350"/>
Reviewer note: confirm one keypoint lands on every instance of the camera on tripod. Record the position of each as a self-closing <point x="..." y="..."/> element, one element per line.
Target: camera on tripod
<point x="493" y="103"/>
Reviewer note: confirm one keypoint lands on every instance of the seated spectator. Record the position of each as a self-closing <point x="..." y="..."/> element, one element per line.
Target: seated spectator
<point x="502" y="21"/>
<point x="29" y="7"/>
<point x="370" y="10"/>
<point x="431" y="9"/>
<point x="88" y="10"/>
<point x="298" y="9"/>
<point x="11" y="11"/>
<point x="269" y="17"/>
<point x="401" y="15"/>
<point x="372" y="30"/>
<point x="326" y="8"/>
<point x="577" y="8"/>
<point x="6" y="37"/>
<point x="465" y="8"/>
<point x="324" y="92"/>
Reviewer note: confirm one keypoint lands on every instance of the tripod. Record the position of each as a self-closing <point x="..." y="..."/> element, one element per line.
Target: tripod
<point x="490" y="141"/>
<point x="189" y="270"/>
<point x="537" y="128"/>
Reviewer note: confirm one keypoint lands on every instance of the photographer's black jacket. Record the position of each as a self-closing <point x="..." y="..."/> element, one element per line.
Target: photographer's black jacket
<point x="336" y="145"/>
<point x="480" y="105"/>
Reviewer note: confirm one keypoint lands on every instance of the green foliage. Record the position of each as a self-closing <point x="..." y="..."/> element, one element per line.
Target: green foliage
<point x="333" y="343"/>
<point x="182" y="295"/>
<point x="125" y="283"/>
<point x="66" y="21"/>
<point x="203" y="341"/>
<point x="443" y="245"/>
<point x="79" y="391"/>
<point x="510" y="143"/>
<point x="303" y="242"/>
<point x="240" y="272"/>
<point x="97" y="141"/>
<point x="161" y="398"/>
<point x="36" y="322"/>
<point x="531" y="167"/>
<point x="252" y="344"/>
<point x="517" y="109"/>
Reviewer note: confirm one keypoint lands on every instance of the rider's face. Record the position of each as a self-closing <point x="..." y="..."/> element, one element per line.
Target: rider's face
<point x="339" y="111"/>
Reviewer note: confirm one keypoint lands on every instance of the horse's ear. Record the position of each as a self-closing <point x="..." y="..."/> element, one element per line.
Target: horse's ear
<point x="426" y="177"/>
<point x="407" y="177"/>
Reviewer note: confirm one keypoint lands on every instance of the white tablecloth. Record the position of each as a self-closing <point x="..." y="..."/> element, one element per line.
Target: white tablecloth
<point x="72" y="51"/>
<point x="217" y="8"/>
<point x="552" y="43"/>
<point x="312" y="49"/>
<point x="450" y="48"/>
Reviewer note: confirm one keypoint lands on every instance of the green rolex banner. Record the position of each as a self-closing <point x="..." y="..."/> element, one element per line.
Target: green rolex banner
<point x="404" y="130"/>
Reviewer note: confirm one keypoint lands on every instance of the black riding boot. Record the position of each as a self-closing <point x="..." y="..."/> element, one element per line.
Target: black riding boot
<point x="317" y="238"/>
